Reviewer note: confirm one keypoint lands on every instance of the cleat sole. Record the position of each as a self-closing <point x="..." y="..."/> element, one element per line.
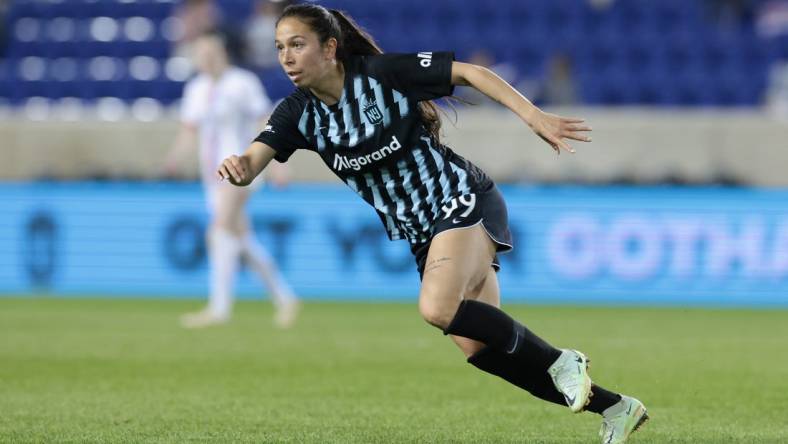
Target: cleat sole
<point x="626" y="430"/>
<point x="643" y="419"/>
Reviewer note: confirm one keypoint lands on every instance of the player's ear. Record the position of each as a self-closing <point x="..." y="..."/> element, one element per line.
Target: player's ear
<point x="330" y="48"/>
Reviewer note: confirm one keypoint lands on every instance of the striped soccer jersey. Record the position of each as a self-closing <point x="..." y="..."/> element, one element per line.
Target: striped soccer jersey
<point x="374" y="139"/>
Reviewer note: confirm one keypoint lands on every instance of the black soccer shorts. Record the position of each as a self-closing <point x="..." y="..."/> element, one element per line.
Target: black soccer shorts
<point x="486" y="208"/>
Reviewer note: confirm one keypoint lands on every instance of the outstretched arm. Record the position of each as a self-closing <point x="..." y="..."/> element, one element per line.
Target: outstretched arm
<point x="241" y="170"/>
<point x="551" y="128"/>
<point x="277" y="173"/>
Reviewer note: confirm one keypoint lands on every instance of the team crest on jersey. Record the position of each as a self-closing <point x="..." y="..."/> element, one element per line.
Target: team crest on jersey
<point x="372" y="111"/>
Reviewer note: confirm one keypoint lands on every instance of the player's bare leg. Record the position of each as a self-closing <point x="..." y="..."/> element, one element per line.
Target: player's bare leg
<point x="619" y="422"/>
<point x="456" y="273"/>
<point x="285" y="303"/>
<point x="229" y="237"/>
<point x="224" y="249"/>
<point x="457" y="265"/>
<point x="489" y="293"/>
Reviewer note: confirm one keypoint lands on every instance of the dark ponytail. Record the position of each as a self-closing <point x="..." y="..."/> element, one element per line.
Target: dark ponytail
<point x="355" y="40"/>
<point x="352" y="40"/>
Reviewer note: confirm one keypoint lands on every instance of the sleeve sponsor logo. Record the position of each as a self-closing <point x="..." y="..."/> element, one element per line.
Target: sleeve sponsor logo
<point x="425" y="59"/>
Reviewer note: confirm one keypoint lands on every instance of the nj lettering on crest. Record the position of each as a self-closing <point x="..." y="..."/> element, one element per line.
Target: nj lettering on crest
<point x="372" y="111"/>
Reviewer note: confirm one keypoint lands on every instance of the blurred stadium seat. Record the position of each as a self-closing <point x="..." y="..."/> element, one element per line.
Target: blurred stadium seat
<point x="633" y="52"/>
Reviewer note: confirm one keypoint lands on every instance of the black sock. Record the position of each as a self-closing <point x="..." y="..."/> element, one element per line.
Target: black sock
<point x="507" y="367"/>
<point x="491" y="326"/>
<point x="601" y="399"/>
<point x="536" y="383"/>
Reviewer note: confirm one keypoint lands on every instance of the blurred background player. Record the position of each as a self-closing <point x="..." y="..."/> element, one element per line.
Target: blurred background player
<point x="222" y="109"/>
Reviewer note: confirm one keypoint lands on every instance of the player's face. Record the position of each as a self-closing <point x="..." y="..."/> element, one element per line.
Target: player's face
<point x="209" y="55"/>
<point x="304" y="59"/>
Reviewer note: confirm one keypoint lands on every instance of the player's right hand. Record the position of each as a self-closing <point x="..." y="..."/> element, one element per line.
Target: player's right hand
<point x="554" y="129"/>
<point x="236" y="170"/>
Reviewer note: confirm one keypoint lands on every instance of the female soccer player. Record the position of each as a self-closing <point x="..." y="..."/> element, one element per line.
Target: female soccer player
<point x="222" y="108"/>
<point x="368" y="115"/>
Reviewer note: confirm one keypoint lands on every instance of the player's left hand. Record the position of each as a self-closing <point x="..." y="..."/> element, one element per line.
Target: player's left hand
<point x="555" y="129"/>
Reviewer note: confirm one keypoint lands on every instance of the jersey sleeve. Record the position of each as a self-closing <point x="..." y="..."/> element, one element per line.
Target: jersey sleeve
<point x="281" y="132"/>
<point x="421" y="76"/>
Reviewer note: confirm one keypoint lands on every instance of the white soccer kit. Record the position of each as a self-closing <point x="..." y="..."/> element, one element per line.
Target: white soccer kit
<point x="226" y="113"/>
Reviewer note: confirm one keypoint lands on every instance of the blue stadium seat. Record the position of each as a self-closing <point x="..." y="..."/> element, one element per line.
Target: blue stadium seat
<point x="122" y="89"/>
<point x="781" y="45"/>
<point x="644" y="52"/>
<point x="165" y="91"/>
<point x="27" y="88"/>
<point x="683" y="52"/>
<point x="692" y="88"/>
<point x="636" y="51"/>
<point x="152" y="48"/>
<point x="738" y="88"/>
<point x="721" y="53"/>
<point x="26" y="8"/>
<point x="17" y="49"/>
<point x="276" y="83"/>
<point x="69" y="89"/>
<point x="6" y="80"/>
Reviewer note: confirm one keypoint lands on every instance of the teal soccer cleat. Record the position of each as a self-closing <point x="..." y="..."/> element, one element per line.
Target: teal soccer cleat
<point x="621" y="419"/>
<point x="570" y="376"/>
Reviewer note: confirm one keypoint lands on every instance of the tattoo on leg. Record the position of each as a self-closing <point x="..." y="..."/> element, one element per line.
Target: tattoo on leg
<point x="435" y="263"/>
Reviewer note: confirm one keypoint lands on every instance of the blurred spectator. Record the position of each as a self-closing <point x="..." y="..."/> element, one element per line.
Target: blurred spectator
<point x="260" y="51"/>
<point x="559" y="84"/>
<point x="556" y="88"/>
<point x="197" y="17"/>
<point x="504" y="70"/>
<point x="772" y="23"/>
<point x="772" y="19"/>
<point x="600" y="4"/>
<point x="777" y="91"/>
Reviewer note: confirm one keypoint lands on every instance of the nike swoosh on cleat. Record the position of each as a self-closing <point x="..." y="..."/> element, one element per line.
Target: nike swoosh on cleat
<point x="569" y="400"/>
<point x="629" y="410"/>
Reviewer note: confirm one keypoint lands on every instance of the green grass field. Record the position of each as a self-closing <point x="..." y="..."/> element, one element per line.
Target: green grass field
<point x="124" y="371"/>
